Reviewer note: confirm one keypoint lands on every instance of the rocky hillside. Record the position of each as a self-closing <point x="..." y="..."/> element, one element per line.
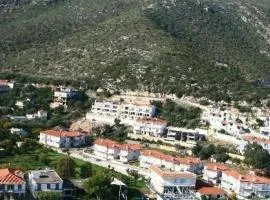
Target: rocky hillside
<point x="195" y="47"/>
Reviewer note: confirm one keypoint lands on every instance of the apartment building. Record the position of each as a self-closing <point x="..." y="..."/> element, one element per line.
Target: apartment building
<point x="62" y="138"/>
<point x="12" y="184"/>
<point x="150" y="126"/>
<point x="212" y="172"/>
<point x="45" y="180"/>
<point x="172" y="185"/>
<point x="245" y="185"/>
<point x="129" y="152"/>
<point x="188" y="163"/>
<point x="62" y="96"/>
<point x="107" y="111"/>
<point x="183" y="134"/>
<point x="106" y="148"/>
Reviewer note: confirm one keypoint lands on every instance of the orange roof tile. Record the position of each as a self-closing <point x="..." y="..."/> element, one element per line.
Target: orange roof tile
<point x="247" y="178"/>
<point x="62" y="133"/>
<point x="216" y="167"/>
<point x="189" y="160"/>
<point x="107" y="143"/>
<point x="151" y="120"/>
<point x="163" y="173"/>
<point x="130" y="147"/>
<point x="211" y="191"/>
<point x="252" y="138"/>
<point x="10" y="177"/>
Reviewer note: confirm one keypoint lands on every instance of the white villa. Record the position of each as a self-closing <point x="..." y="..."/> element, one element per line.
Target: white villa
<point x="12" y="183"/>
<point x="150" y="126"/>
<point x="106" y="148"/>
<point x="245" y="185"/>
<point x="179" y="185"/>
<point x="129" y="152"/>
<point x="213" y="171"/>
<point x="62" y="138"/>
<point x="183" y="134"/>
<point x="62" y="96"/>
<point x="45" y="180"/>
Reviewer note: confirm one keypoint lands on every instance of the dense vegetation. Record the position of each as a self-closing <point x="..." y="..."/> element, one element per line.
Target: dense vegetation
<point x="177" y="115"/>
<point x="188" y="48"/>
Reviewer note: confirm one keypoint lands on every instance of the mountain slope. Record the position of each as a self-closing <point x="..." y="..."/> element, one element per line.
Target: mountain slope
<point x="189" y="47"/>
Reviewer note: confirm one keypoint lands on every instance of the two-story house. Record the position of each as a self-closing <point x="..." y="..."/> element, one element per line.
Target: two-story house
<point x="245" y="185"/>
<point x="212" y="172"/>
<point x="62" y="138"/>
<point x="129" y="152"/>
<point x="106" y="148"/>
<point x="44" y="180"/>
<point x="12" y="183"/>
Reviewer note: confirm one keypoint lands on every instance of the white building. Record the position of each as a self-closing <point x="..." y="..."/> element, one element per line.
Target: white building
<point x="106" y="148"/>
<point x="265" y="131"/>
<point x="45" y="180"/>
<point x="19" y="104"/>
<point x="18" y="131"/>
<point x="12" y="183"/>
<point x="41" y="114"/>
<point x="108" y="111"/>
<point x="245" y="185"/>
<point x="62" y="96"/>
<point x="129" y="152"/>
<point x="210" y="192"/>
<point x="182" y="134"/>
<point x="61" y="138"/>
<point x="150" y="126"/>
<point x="213" y="171"/>
<point x="153" y="157"/>
<point x="179" y="185"/>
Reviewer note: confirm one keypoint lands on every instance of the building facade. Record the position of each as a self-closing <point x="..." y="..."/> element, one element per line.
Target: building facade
<point x="182" y="134"/>
<point x="129" y="152"/>
<point x="61" y="138"/>
<point x="212" y="172"/>
<point x="150" y="126"/>
<point x="245" y="185"/>
<point x="106" y="148"/>
<point x="179" y="185"/>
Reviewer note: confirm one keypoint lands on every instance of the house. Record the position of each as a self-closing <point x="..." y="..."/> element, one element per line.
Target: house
<point x="41" y="114"/>
<point x="63" y="95"/>
<point x="182" y="134"/>
<point x="137" y="110"/>
<point x="62" y="138"/>
<point x="18" y="131"/>
<point x="172" y="184"/>
<point x="211" y="192"/>
<point x="213" y="171"/>
<point x="44" y="180"/>
<point x="245" y="185"/>
<point x="106" y="148"/>
<point x="19" y="104"/>
<point x="129" y="152"/>
<point x="153" y="157"/>
<point x="150" y="126"/>
<point x="12" y="183"/>
<point x="188" y="163"/>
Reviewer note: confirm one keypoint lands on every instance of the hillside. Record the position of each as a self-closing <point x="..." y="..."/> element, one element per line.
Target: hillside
<point x="199" y="48"/>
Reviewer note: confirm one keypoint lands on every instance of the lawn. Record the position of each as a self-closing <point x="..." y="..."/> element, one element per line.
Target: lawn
<point x="31" y="160"/>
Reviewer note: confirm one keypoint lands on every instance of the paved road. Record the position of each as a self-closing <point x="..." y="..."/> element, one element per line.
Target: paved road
<point x="116" y="165"/>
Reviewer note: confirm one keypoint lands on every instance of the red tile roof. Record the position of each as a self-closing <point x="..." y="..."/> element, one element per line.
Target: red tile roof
<point x="211" y="191"/>
<point x="107" y="143"/>
<point x="247" y="178"/>
<point x="151" y="120"/>
<point x="130" y="147"/>
<point x="159" y="155"/>
<point x="252" y="138"/>
<point x="62" y="133"/>
<point x="165" y="174"/>
<point x="215" y="167"/>
<point x="10" y="177"/>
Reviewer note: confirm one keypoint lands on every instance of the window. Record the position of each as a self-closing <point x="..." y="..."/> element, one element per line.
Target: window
<point x="48" y="186"/>
<point x="10" y="187"/>
<point x="2" y="187"/>
<point x="57" y="186"/>
<point x="38" y="187"/>
<point x="19" y="187"/>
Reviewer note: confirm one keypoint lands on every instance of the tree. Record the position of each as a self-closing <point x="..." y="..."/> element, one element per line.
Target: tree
<point x="66" y="167"/>
<point x="99" y="186"/>
<point x="48" y="195"/>
<point x="86" y="170"/>
<point x="256" y="156"/>
<point x="43" y="158"/>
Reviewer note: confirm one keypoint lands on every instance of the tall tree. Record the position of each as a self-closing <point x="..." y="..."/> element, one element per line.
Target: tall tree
<point x="66" y="167"/>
